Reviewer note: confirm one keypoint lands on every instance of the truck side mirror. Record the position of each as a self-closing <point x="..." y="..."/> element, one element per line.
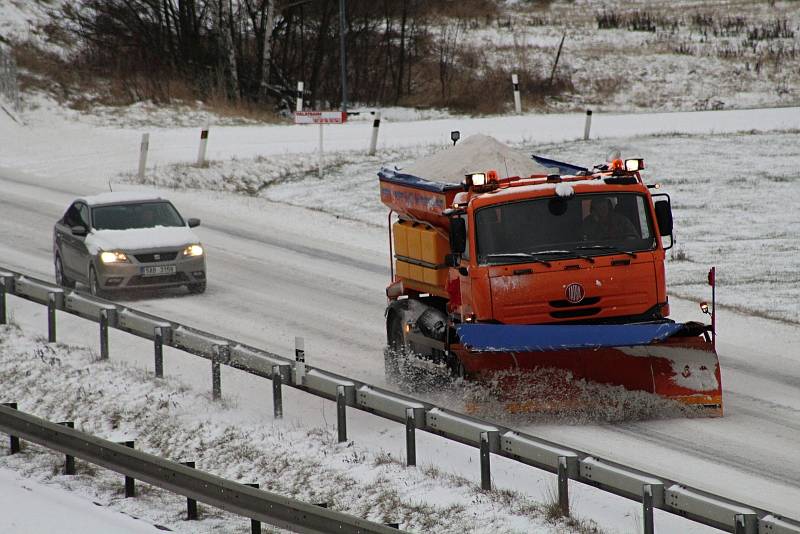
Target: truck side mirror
<point x="664" y="217"/>
<point x="458" y="235"/>
<point x="452" y="260"/>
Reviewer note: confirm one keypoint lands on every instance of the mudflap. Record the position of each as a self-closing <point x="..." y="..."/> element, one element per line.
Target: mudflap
<point x="666" y="359"/>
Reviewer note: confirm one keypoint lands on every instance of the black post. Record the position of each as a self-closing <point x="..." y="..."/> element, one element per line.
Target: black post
<point x="191" y="504"/>
<point x="13" y="440"/>
<point x="103" y="334"/>
<point x="158" y="344"/>
<point x="69" y="462"/>
<point x="3" y="301"/>
<point x="51" y="317"/>
<point x="411" y="438"/>
<point x="647" y="508"/>
<point x="486" y="469"/>
<point x="277" y="395"/>
<point x="563" y="486"/>
<point x="341" y="414"/>
<point x="255" y="526"/>
<point x="216" y="376"/>
<point x="130" y="482"/>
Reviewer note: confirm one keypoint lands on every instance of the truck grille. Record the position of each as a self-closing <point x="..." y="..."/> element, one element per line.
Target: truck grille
<point x="588" y="301"/>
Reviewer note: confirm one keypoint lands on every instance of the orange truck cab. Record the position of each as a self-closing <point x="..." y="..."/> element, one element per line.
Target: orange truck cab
<point x="562" y="270"/>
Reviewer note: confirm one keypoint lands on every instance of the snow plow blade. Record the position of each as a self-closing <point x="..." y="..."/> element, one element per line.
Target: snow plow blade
<point x="671" y="360"/>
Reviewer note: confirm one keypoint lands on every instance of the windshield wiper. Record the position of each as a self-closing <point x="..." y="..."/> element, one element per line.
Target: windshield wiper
<point x="521" y="255"/>
<point x="607" y="247"/>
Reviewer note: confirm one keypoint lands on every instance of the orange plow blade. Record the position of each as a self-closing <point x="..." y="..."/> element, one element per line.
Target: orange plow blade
<point x="553" y="361"/>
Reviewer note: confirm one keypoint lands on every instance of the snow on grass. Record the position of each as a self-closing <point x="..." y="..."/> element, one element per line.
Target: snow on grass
<point x="733" y="197"/>
<point x="110" y="400"/>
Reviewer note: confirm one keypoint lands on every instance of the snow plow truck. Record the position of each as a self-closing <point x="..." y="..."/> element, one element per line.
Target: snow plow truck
<point x="560" y="269"/>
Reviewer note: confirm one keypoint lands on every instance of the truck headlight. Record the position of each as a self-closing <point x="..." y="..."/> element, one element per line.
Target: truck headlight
<point x="193" y="250"/>
<point x="113" y="257"/>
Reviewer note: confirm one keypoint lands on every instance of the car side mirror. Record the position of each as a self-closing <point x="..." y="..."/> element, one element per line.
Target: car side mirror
<point x="458" y="235"/>
<point x="78" y="230"/>
<point x="193" y="222"/>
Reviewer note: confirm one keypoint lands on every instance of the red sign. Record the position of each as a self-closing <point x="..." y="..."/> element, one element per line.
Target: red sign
<point x="320" y="117"/>
<point x="575" y="293"/>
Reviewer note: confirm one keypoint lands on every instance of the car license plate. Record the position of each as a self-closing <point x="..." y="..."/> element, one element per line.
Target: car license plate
<point x="157" y="270"/>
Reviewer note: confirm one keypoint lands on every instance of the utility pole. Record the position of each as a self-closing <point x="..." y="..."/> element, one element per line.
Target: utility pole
<point x="342" y="35"/>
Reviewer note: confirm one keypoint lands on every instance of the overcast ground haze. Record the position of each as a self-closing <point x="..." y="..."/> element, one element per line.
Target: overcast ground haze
<point x="292" y="255"/>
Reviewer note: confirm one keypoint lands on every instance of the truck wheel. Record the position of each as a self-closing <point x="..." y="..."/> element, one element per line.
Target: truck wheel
<point x="395" y="350"/>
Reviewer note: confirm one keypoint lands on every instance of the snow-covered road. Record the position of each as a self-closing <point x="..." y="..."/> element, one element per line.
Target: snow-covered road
<point x="278" y="271"/>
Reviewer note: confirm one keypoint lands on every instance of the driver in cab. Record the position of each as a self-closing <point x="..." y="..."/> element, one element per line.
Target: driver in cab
<point x="603" y="223"/>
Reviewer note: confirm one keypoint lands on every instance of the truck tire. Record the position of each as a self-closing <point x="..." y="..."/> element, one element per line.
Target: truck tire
<point x="394" y="351"/>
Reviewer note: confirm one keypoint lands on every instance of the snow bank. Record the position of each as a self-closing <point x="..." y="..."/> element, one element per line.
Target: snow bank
<point x="476" y="153"/>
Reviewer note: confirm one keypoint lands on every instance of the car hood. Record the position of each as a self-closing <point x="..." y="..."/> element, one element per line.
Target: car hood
<point x="140" y="238"/>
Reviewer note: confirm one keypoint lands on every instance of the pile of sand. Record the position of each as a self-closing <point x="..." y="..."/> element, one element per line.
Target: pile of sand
<point x="476" y="153"/>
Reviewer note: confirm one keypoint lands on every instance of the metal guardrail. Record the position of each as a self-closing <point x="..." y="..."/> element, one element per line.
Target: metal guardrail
<point x="258" y="505"/>
<point x="654" y="492"/>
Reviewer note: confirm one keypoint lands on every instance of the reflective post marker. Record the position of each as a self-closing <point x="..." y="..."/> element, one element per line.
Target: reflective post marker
<point x="588" y="126"/>
<point x="320" y="150"/>
<point x="300" y="361"/>
<point x="299" y="101"/>
<point x="143" y="155"/>
<point x="216" y="373"/>
<point x="373" y="143"/>
<point x="517" y="100"/>
<point x="201" y="153"/>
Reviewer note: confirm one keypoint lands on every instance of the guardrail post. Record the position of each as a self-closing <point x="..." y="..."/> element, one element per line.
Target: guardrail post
<point x="563" y="486"/>
<point x="341" y="414"/>
<point x="216" y="374"/>
<point x="411" y="438"/>
<point x="255" y="526"/>
<point x="277" y="395"/>
<point x="103" y="334"/>
<point x="486" y="469"/>
<point x="158" y="345"/>
<point x="191" y="504"/>
<point x="13" y="440"/>
<point x="647" y="508"/>
<point x="130" y="482"/>
<point x="2" y="301"/>
<point x="740" y="524"/>
<point x="69" y="461"/>
<point x="51" y="317"/>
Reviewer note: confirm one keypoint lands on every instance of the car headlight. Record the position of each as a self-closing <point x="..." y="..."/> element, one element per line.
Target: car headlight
<point x="113" y="257"/>
<point x="193" y="250"/>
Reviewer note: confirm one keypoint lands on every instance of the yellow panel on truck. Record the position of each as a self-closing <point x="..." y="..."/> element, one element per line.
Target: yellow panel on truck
<point x="419" y="253"/>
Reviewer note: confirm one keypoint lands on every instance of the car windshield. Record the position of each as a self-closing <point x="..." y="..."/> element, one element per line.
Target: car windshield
<point x="135" y="215"/>
<point x="558" y="227"/>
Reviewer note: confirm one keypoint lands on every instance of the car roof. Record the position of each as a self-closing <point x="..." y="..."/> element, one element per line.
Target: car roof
<point x="121" y="197"/>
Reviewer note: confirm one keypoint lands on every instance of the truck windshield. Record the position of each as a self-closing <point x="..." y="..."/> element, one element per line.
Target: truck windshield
<point x="135" y="215"/>
<point x="558" y="227"/>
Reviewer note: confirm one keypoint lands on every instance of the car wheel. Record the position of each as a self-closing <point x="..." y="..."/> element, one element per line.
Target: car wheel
<point x="94" y="284"/>
<point x="198" y="288"/>
<point x="61" y="278"/>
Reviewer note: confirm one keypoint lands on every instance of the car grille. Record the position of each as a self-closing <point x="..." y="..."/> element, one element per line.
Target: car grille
<point x="176" y="278"/>
<point x="151" y="258"/>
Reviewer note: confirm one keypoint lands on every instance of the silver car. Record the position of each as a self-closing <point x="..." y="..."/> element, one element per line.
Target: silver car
<point x="115" y="241"/>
